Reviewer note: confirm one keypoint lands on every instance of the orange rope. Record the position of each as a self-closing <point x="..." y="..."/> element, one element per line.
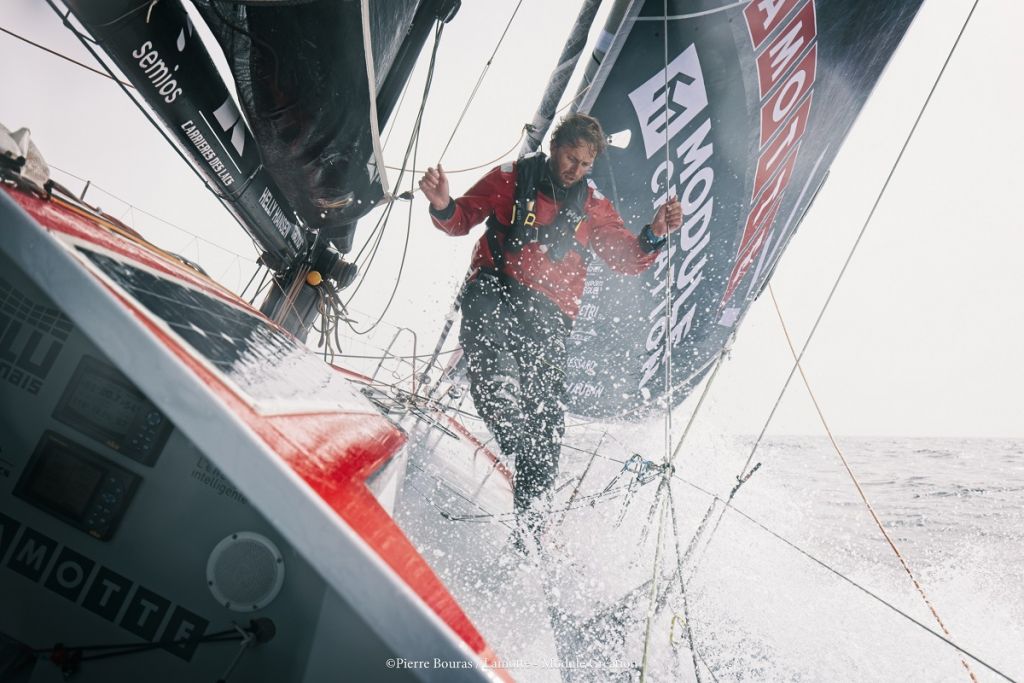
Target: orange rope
<point x="857" y="485"/>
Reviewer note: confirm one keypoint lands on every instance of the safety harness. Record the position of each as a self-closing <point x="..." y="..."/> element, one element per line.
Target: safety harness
<point x="557" y="238"/>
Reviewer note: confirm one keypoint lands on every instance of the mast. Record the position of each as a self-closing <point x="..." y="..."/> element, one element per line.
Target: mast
<point x="559" y="79"/>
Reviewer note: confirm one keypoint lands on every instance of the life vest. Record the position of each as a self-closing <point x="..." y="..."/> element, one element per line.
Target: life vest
<point x="557" y="238"/>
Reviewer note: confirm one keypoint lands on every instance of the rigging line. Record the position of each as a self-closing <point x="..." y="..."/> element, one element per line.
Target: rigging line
<point x="856" y="483"/>
<point x="583" y="476"/>
<point x="245" y="289"/>
<point x="486" y="164"/>
<point x="668" y="253"/>
<point x="669" y="468"/>
<point x="287" y="303"/>
<point x="595" y="453"/>
<point x="421" y="401"/>
<point x="248" y="259"/>
<point x="682" y="591"/>
<point x="727" y="505"/>
<point x="65" y="57"/>
<point x="948" y="641"/>
<point x="416" y="357"/>
<point x="382" y="223"/>
<point x="667" y="386"/>
<point x="233" y="265"/>
<point x="701" y="657"/>
<point x="574" y="99"/>
<point x="455" y="493"/>
<point x="692" y="15"/>
<point x="654" y="591"/>
<point x="591" y="499"/>
<point x="392" y="122"/>
<point x="479" y="81"/>
<point x="292" y="294"/>
<point x="364" y="266"/>
<point x="374" y="237"/>
<point x="417" y="127"/>
<point x="696" y="409"/>
<point x="860" y="235"/>
<point x="263" y="285"/>
<point x="86" y="41"/>
<point x="408" y="232"/>
<point x="659" y="495"/>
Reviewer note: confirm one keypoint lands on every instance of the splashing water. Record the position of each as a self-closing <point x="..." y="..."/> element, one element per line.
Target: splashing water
<point x="758" y="609"/>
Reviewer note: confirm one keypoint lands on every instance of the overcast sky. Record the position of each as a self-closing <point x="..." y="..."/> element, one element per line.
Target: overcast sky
<point x="925" y="333"/>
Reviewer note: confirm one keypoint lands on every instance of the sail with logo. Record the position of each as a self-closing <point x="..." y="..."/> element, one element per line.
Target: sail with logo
<point x="737" y="108"/>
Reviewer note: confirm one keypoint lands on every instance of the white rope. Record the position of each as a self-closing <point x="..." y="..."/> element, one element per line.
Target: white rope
<point x="668" y="366"/>
<point x="371" y="85"/>
<point x="668" y="257"/>
<point x="692" y="15"/>
<point x="856" y="244"/>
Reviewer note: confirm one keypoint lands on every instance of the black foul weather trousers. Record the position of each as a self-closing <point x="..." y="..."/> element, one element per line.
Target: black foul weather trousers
<point x="514" y="341"/>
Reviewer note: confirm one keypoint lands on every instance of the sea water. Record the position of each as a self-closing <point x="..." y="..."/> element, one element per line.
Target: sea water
<point x="954" y="508"/>
<point x="774" y="599"/>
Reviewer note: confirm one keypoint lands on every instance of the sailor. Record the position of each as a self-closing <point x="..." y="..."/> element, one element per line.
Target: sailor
<point x="545" y="221"/>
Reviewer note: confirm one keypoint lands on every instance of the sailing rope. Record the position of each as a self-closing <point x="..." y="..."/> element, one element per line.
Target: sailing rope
<point x="763" y="527"/>
<point x="479" y="80"/>
<point x="654" y="584"/>
<point x="486" y="164"/>
<point x="860" y="235"/>
<point x="128" y="90"/>
<point x="668" y="253"/>
<point x="411" y="149"/>
<point x="746" y="473"/>
<point x="716" y="499"/>
<point x="105" y="74"/>
<point x="856" y="483"/>
<point x="658" y="497"/>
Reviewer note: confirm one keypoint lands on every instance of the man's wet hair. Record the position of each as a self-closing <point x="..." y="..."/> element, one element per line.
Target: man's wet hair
<point x="577" y="128"/>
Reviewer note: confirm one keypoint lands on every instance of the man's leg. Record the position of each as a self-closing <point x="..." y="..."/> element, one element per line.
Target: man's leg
<point x="493" y="372"/>
<point x="542" y="359"/>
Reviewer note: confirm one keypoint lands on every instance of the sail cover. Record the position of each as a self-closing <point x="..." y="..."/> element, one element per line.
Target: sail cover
<point x="300" y="68"/>
<point x="738" y="112"/>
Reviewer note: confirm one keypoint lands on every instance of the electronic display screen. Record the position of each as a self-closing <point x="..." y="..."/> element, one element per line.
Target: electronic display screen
<point x="64" y="481"/>
<point x="76" y="485"/>
<point x="107" y="404"/>
<point x="102" y="403"/>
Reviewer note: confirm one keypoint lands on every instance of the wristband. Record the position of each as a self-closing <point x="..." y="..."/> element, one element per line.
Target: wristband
<point x="445" y="213"/>
<point x="649" y="241"/>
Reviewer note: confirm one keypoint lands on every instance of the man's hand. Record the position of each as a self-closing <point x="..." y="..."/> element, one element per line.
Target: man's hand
<point x="668" y="218"/>
<point x="434" y="185"/>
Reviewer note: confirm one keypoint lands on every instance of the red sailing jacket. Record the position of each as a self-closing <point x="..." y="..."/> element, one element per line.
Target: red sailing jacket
<point x="561" y="281"/>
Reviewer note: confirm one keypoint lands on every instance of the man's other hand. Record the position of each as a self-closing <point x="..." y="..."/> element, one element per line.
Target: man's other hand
<point x="434" y="185"/>
<point x="668" y="218"/>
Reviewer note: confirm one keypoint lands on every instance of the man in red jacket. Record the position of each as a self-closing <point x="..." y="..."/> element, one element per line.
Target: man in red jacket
<point x="544" y="223"/>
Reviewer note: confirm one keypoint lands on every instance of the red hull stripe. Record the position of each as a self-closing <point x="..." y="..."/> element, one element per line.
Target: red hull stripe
<point x="332" y="452"/>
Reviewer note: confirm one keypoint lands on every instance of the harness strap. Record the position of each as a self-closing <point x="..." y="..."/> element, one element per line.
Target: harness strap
<point x="557" y="238"/>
